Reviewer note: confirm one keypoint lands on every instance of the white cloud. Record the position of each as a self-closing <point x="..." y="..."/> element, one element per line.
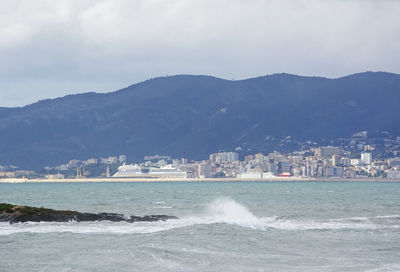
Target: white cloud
<point x="69" y="46"/>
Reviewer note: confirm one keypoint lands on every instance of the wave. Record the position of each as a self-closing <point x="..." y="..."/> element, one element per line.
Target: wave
<point x="162" y="207"/>
<point x="394" y="216"/>
<point x="220" y="211"/>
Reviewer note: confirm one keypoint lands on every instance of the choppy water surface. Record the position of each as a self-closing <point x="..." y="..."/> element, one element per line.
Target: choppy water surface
<point x="230" y="226"/>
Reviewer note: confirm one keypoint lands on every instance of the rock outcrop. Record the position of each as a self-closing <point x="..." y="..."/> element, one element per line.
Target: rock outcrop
<point x="17" y="214"/>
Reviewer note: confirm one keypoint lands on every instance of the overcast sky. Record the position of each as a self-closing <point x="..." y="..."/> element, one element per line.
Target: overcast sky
<point x="51" y="48"/>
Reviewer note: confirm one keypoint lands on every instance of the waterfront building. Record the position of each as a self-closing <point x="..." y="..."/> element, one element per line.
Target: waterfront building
<point x="204" y="170"/>
<point x="366" y="158"/>
<point x="252" y="175"/>
<point x="136" y="171"/>
<point x="23" y="173"/>
<point x="54" y="176"/>
<point x="393" y="174"/>
<point x="7" y="174"/>
<point x="268" y="175"/>
<point x="284" y="166"/>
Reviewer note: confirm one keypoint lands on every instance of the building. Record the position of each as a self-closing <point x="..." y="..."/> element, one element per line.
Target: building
<point x="394" y="174"/>
<point x="224" y="157"/>
<point x="184" y="161"/>
<point x="7" y="174"/>
<point x="156" y="157"/>
<point x="336" y="160"/>
<point x="284" y="166"/>
<point x="270" y="167"/>
<point x="204" y="170"/>
<point x="73" y="163"/>
<point x="23" y="173"/>
<point x="249" y="158"/>
<point x="136" y="171"/>
<point x="268" y="175"/>
<point x="112" y="160"/>
<point x="54" y="176"/>
<point x="345" y="161"/>
<point x="369" y="148"/>
<point x="354" y="162"/>
<point x="90" y="161"/>
<point x="334" y="171"/>
<point x="327" y="151"/>
<point x="394" y="162"/>
<point x="366" y="158"/>
<point x="251" y="175"/>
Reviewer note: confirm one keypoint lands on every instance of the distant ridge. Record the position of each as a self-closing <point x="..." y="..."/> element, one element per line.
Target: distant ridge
<point x="192" y="116"/>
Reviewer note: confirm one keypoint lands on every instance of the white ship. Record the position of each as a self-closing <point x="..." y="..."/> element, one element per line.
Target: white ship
<point x="136" y="171"/>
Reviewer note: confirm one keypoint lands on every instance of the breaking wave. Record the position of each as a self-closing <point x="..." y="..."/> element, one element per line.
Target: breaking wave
<point x="220" y="211"/>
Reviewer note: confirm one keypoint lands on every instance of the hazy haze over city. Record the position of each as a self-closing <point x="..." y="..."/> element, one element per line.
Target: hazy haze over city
<point x="54" y="48"/>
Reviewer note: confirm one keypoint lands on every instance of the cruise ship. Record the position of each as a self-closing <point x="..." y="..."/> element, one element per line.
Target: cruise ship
<point x="136" y="171"/>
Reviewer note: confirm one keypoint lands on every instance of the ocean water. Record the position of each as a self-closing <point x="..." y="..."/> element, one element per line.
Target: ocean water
<point x="222" y="226"/>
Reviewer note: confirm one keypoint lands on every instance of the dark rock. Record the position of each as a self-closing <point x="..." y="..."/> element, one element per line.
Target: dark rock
<point x="150" y="218"/>
<point x="16" y="214"/>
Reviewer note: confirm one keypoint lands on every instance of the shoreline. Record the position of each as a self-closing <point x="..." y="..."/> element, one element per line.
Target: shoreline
<point x="142" y="180"/>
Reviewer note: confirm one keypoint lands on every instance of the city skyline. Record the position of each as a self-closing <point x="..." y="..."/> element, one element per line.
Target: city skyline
<point x="316" y="162"/>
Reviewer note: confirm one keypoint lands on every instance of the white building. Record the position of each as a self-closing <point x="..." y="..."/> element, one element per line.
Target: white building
<point x="366" y="158"/>
<point x="354" y="162"/>
<point x="268" y="175"/>
<point x="54" y="176"/>
<point x="136" y="171"/>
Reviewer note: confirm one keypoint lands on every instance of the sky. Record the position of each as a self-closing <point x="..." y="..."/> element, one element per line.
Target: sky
<point x="53" y="48"/>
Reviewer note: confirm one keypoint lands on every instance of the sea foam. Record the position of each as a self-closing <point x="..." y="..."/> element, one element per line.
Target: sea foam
<point x="220" y="211"/>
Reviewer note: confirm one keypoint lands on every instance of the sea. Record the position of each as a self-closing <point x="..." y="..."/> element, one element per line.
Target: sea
<point x="222" y="226"/>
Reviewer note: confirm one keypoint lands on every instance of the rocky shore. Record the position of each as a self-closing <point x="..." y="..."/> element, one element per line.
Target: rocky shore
<point x="17" y="214"/>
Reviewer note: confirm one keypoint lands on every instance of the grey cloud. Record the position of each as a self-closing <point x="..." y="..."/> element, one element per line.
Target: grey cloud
<point x="51" y="48"/>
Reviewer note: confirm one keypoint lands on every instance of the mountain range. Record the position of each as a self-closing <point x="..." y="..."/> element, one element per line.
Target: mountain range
<point x="192" y="116"/>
